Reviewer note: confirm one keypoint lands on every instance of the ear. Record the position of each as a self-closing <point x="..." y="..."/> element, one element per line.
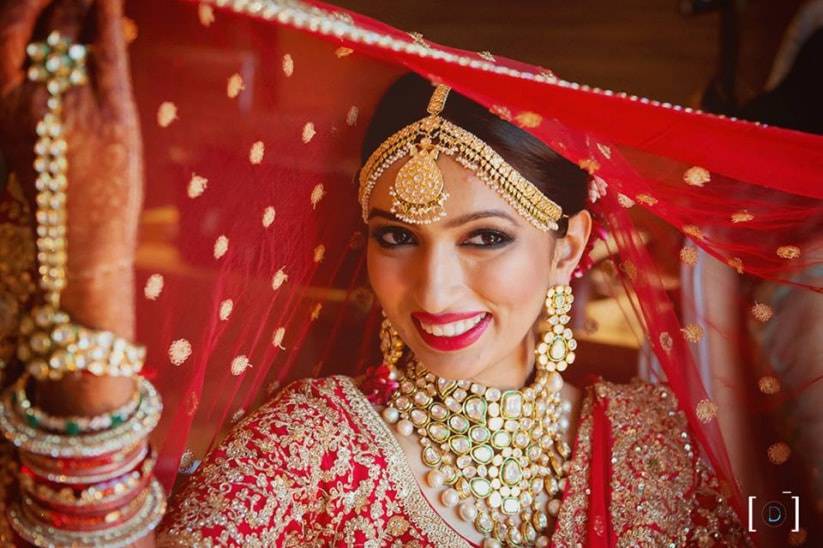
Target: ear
<point x="569" y="249"/>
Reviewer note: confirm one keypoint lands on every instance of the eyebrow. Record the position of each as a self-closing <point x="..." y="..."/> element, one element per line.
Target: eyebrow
<point x="451" y="223"/>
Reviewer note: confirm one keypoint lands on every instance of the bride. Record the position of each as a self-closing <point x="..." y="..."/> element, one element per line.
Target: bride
<point x="324" y="193"/>
<point x="475" y="228"/>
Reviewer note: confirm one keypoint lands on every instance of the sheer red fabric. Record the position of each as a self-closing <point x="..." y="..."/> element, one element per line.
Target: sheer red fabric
<point x="251" y="264"/>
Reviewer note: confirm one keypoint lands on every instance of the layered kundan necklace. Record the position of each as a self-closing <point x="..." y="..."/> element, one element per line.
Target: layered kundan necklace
<point x="492" y="451"/>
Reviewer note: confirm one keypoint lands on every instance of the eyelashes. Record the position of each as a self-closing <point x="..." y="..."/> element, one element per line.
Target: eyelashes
<point x="390" y="237"/>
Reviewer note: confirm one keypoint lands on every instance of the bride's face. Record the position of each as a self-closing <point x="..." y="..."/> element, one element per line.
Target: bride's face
<point x="464" y="292"/>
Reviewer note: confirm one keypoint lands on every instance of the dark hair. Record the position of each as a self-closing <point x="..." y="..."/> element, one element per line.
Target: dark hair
<point x="405" y="102"/>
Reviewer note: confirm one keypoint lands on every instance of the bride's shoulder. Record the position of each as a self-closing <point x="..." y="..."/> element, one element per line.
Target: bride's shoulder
<point x="303" y="410"/>
<point x="640" y="406"/>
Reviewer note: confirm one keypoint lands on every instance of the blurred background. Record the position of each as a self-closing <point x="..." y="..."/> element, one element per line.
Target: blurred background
<point x="668" y="50"/>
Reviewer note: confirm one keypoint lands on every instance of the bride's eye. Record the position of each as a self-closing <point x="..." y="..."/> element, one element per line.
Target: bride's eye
<point x="392" y="236"/>
<point x="488" y="239"/>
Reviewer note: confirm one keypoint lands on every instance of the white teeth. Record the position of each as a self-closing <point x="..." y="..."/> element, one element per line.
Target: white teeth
<point x="452" y="329"/>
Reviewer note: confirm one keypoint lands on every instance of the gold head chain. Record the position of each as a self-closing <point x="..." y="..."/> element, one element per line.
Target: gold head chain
<point x="419" y="193"/>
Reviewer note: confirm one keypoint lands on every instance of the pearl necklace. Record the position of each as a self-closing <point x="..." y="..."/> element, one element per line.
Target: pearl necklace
<point x="492" y="451"/>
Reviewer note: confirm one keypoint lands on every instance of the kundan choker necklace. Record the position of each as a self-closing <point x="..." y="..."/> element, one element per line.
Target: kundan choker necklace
<point x="494" y="452"/>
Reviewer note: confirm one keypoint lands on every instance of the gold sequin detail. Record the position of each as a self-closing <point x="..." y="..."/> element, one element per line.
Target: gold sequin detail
<point x="258" y="149"/>
<point x="269" y="215"/>
<point x="589" y="165"/>
<point x="769" y="384"/>
<point x="315" y="311"/>
<point x="693" y="231"/>
<point x="762" y="312"/>
<point x="226" y="308"/>
<point x="625" y="201"/>
<point x="528" y="119"/>
<point x="693" y="332"/>
<point x="206" y="14"/>
<point x="742" y="217"/>
<point x="234" y="86"/>
<point x="221" y="246"/>
<point x="343" y="52"/>
<point x="308" y="132"/>
<point x="605" y="150"/>
<point x="280" y="277"/>
<point x="688" y="255"/>
<point x="501" y="112"/>
<point x="646" y="199"/>
<point x="277" y="339"/>
<point x="319" y="253"/>
<point x="179" y="351"/>
<point x="352" y="115"/>
<point x="239" y="365"/>
<point x="706" y="410"/>
<point x="788" y="252"/>
<point x="779" y="452"/>
<point x="288" y="65"/>
<point x="736" y="263"/>
<point x="166" y="113"/>
<point x="418" y="39"/>
<point x="197" y="185"/>
<point x="697" y="176"/>
<point x="317" y="194"/>
<point x="487" y="55"/>
<point x="154" y="286"/>
<point x="237" y="415"/>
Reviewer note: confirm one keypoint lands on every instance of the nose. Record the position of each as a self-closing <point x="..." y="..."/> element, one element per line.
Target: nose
<point x="440" y="277"/>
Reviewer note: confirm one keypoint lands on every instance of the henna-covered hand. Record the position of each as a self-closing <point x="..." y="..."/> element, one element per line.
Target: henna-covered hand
<point x="105" y="171"/>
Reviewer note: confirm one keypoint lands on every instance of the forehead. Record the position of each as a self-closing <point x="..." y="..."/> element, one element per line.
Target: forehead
<point x="467" y="193"/>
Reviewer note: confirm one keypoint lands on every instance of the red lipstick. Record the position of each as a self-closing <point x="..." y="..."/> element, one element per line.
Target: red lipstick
<point x="449" y="344"/>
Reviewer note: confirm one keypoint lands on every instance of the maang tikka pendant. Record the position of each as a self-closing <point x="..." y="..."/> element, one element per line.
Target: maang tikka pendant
<point x="419" y="193"/>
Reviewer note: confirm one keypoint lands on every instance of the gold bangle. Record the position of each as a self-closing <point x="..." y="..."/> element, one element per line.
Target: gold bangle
<point x="52" y="346"/>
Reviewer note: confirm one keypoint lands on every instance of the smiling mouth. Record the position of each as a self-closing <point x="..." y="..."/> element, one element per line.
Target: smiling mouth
<point x="453" y="335"/>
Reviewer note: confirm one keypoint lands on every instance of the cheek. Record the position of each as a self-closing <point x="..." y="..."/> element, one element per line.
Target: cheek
<point x="514" y="284"/>
<point x="386" y="278"/>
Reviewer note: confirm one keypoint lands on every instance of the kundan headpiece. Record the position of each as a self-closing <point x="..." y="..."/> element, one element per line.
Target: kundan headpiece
<point x="419" y="194"/>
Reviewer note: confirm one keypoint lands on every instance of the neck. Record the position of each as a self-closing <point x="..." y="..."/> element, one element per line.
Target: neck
<point x="514" y="371"/>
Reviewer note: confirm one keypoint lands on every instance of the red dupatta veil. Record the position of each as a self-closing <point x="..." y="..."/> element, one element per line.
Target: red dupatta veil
<point x="251" y="265"/>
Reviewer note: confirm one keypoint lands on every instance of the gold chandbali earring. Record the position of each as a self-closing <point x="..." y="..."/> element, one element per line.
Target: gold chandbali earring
<point x="497" y="454"/>
<point x="555" y="352"/>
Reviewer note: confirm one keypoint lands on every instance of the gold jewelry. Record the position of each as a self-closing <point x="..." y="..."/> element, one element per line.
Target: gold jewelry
<point x="126" y="434"/>
<point x="74" y="425"/>
<point x="494" y="452"/>
<point x="60" y="64"/>
<point x="51" y="344"/>
<point x="145" y="519"/>
<point x="419" y="193"/>
<point x="391" y="345"/>
<point x="555" y="351"/>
